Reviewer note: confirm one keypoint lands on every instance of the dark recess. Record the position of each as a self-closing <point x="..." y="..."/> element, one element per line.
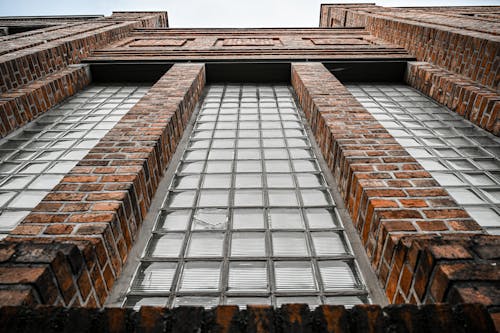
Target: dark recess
<point x="250" y="72"/>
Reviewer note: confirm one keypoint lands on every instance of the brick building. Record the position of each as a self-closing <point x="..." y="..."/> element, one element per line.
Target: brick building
<point x="296" y="171"/>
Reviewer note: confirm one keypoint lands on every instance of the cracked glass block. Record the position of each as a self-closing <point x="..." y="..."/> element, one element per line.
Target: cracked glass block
<point x="154" y="277"/>
<point x="181" y="199"/>
<point x="321" y="218"/>
<point x="294" y="275"/>
<point x="314" y="197"/>
<point x="290" y="244"/>
<point x="285" y="219"/>
<point x="283" y="198"/>
<point x="328" y="243"/>
<point x="217" y="181"/>
<point x="200" y="276"/>
<point x="173" y="221"/>
<point x="210" y="219"/>
<point x="166" y="246"/>
<point x="248" y="219"/>
<point x="205" y="244"/>
<point x="338" y="274"/>
<point x="249" y="276"/>
<point x="248" y="244"/>
<point x="10" y="219"/>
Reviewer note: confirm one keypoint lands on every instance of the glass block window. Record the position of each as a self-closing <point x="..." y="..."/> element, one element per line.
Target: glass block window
<point x="462" y="157"/>
<point x="248" y="218"/>
<point x="35" y="159"/>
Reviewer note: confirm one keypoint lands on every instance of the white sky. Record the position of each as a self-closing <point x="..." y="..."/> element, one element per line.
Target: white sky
<point x="210" y="13"/>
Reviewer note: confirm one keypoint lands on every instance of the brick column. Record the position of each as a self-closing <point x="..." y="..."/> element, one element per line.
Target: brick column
<point x="70" y="250"/>
<point x="422" y="245"/>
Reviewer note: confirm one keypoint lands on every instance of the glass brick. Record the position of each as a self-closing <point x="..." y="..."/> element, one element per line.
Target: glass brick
<point x="154" y="277"/>
<point x="294" y="275"/>
<point x="205" y="244"/>
<point x="337" y="274"/>
<point x="290" y="244"/>
<point x="248" y="276"/>
<point x="248" y="219"/>
<point x="200" y="276"/>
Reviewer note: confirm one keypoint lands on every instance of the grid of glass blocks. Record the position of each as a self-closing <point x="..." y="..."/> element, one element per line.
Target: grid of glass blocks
<point x="36" y="158"/>
<point x="462" y="157"/>
<point x="248" y="218"/>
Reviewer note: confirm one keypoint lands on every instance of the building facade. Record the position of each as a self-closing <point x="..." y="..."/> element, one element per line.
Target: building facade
<point x="266" y="178"/>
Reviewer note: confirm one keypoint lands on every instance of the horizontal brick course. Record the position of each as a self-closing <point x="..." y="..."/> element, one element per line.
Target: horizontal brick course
<point x="287" y="318"/>
<point x="19" y="107"/>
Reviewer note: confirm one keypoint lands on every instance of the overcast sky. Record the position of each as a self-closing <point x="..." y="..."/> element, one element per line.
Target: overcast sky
<point x="209" y="13"/>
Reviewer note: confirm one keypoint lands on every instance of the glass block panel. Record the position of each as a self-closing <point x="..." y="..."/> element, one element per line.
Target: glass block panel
<point x="27" y="199"/>
<point x="262" y="216"/>
<point x="9" y="219"/>
<point x="461" y="157"/>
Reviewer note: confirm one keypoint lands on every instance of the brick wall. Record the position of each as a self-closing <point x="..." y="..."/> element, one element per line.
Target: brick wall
<point x="422" y="245"/>
<point x="35" y="63"/>
<point x="22" y="105"/>
<point x="255" y="319"/>
<point x="71" y="248"/>
<point x="462" y="51"/>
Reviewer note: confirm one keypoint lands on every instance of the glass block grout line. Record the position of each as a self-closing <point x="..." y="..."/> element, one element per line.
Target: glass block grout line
<point x="34" y="159"/>
<point x="462" y="157"/>
<point x="248" y="208"/>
